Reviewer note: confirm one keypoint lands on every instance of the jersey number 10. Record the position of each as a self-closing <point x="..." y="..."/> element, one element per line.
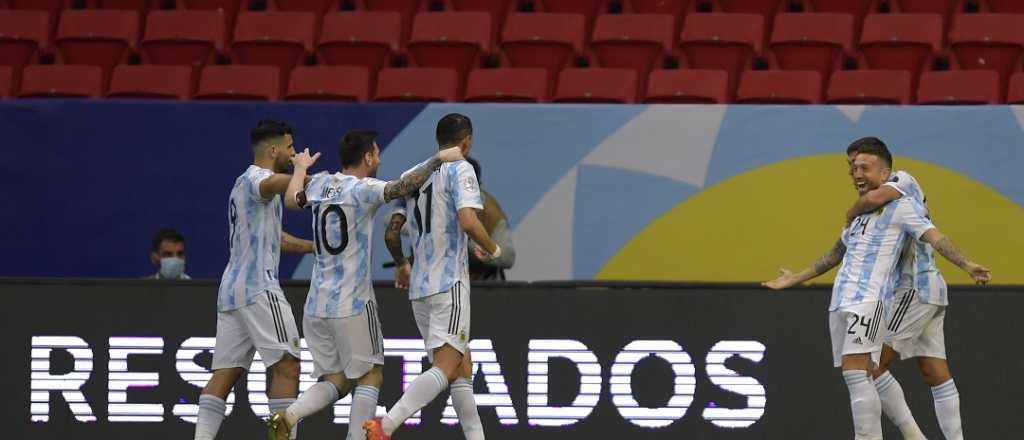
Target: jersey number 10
<point x="320" y="224"/>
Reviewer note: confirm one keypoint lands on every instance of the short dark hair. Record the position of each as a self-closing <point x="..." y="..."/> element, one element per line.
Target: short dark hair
<point x="166" y="234"/>
<point x="268" y="129"/>
<point x="355" y="145"/>
<point x="476" y="167"/>
<point x="453" y="128"/>
<point x="873" y="146"/>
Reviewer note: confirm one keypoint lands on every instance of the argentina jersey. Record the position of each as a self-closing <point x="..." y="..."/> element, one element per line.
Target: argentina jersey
<point x="255" y="242"/>
<point x="440" y="246"/>
<point x="874" y="242"/>
<point x="343" y="209"/>
<point x="919" y="270"/>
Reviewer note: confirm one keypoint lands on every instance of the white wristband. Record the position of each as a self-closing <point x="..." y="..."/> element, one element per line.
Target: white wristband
<point x="497" y="252"/>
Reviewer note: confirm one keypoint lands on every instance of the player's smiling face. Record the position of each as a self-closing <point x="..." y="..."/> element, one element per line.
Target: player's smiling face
<point x="868" y="172"/>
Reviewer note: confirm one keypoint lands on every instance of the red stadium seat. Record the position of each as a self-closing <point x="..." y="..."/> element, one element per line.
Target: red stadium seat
<point x="959" y="87"/>
<point x="633" y="41"/>
<point x="550" y="41"/>
<point x="239" y="83"/>
<point x="676" y="8"/>
<point x="329" y="83"/>
<point x="52" y="8"/>
<point x="891" y="87"/>
<point x="857" y="8"/>
<point x="417" y="84"/>
<point x="764" y="8"/>
<point x="812" y="41"/>
<point x="1016" y="93"/>
<point x="141" y="6"/>
<point x="498" y="9"/>
<point x="101" y="38"/>
<point x="6" y="81"/>
<point x="901" y="42"/>
<point x="945" y="8"/>
<point x="690" y="86"/>
<point x="183" y="37"/>
<point x="23" y="36"/>
<point x="318" y="7"/>
<point x="454" y="40"/>
<point x="598" y="85"/>
<point x="779" y="87"/>
<point x="589" y="9"/>
<point x="728" y="42"/>
<point x="280" y="39"/>
<point x="368" y="39"/>
<point x="1006" y="6"/>
<point x="406" y="8"/>
<point x="990" y="42"/>
<point x="229" y="8"/>
<point x="162" y="82"/>
<point x="62" y="81"/>
<point x="528" y="84"/>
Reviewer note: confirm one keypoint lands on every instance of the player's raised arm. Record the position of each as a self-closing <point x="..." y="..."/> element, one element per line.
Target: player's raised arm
<point x="789" y="279"/>
<point x="393" y="240"/>
<point x="294" y="194"/>
<point x="416" y="177"/>
<point x="945" y="247"/>
<point x="872" y="200"/>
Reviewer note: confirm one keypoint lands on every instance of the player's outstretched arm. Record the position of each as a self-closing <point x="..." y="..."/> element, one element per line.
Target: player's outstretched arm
<point x="295" y="245"/>
<point x="393" y="240"/>
<point x="294" y="196"/>
<point x="416" y="177"/>
<point x="476" y="231"/>
<point x="821" y="265"/>
<point x="945" y="247"/>
<point x="871" y="201"/>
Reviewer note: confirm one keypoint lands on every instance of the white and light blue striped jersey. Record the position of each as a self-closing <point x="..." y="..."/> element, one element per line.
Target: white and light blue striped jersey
<point x="919" y="271"/>
<point x="255" y="231"/>
<point x="440" y="246"/>
<point x="343" y="210"/>
<point x="874" y="242"/>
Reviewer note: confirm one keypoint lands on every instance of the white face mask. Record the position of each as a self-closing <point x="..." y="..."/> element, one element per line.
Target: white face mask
<point x="171" y="268"/>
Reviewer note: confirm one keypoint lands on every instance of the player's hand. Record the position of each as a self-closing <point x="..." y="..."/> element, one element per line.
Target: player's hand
<point x="402" y="274"/>
<point x="452" y="154"/>
<point x="304" y="160"/>
<point x="979" y="273"/>
<point x="484" y="256"/>
<point x="786" y="280"/>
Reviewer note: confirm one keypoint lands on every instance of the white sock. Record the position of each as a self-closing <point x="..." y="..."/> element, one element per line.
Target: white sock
<point x="421" y="391"/>
<point x="364" y="405"/>
<point x="947" y="410"/>
<point x="211" y="414"/>
<point x="866" y="406"/>
<point x="465" y="407"/>
<point x="894" y="405"/>
<point x="282" y="404"/>
<point x="316" y="398"/>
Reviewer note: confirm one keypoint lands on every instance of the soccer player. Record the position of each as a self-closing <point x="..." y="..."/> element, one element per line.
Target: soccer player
<point x="870" y="249"/>
<point x="916" y="317"/>
<point x="342" y="322"/>
<point x="444" y="218"/>
<point x="252" y="311"/>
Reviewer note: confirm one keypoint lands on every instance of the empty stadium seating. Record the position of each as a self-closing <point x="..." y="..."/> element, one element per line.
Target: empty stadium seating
<point x="901" y="42"/>
<point x="988" y="41"/>
<point x="598" y="85"/>
<point x="1016" y="93"/>
<point x="890" y="87"/>
<point x="633" y="41"/>
<point x="368" y="39"/>
<point x="454" y="40"/>
<point x="24" y="35"/>
<point x="690" y="86"/>
<point x="6" y="82"/>
<point x="329" y="83"/>
<point x="728" y="42"/>
<point x="959" y="87"/>
<point x="239" y="83"/>
<point x="550" y="41"/>
<point x="98" y="37"/>
<point x="166" y="82"/>
<point x="417" y="84"/>
<point x="812" y="41"/>
<point x="183" y="37"/>
<point x="527" y="84"/>
<point x="62" y="81"/>
<point x="779" y="87"/>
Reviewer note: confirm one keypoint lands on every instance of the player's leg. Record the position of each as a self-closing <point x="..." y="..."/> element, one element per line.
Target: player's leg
<point x="363" y="353"/>
<point x="931" y="350"/>
<point x="271" y="326"/>
<point x="894" y="402"/>
<point x="432" y="315"/>
<point x="855" y="336"/>
<point x="327" y="367"/>
<point x="231" y="356"/>
<point x="464" y="402"/>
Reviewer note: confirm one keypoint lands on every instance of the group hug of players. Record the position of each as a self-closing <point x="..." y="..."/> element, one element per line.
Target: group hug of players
<point x="889" y="298"/>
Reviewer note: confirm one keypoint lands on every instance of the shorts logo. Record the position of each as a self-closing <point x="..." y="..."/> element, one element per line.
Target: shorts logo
<point x="295" y="343"/>
<point x="858" y="341"/>
<point x="462" y="336"/>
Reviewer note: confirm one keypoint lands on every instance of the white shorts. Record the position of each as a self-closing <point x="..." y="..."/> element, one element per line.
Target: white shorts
<point x="856" y="329"/>
<point x="915" y="328"/>
<point x="350" y="345"/>
<point x="444" y="319"/>
<point x="267" y="325"/>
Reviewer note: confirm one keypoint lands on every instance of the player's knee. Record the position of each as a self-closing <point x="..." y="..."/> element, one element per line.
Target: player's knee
<point x="287" y="367"/>
<point x="374" y="377"/>
<point x="933" y="372"/>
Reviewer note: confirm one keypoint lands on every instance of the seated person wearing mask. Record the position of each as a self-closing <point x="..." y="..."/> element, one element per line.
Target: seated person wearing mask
<point x="167" y="255"/>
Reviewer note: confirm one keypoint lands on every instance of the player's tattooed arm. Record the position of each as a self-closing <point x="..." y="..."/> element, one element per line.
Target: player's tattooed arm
<point x="871" y="201"/>
<point x="295" y="245"/>
<point x="393" y="239"/>
<point x="416" y="177"/>
<point x="945" y="247"/>
<point x="823" y="264"/>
